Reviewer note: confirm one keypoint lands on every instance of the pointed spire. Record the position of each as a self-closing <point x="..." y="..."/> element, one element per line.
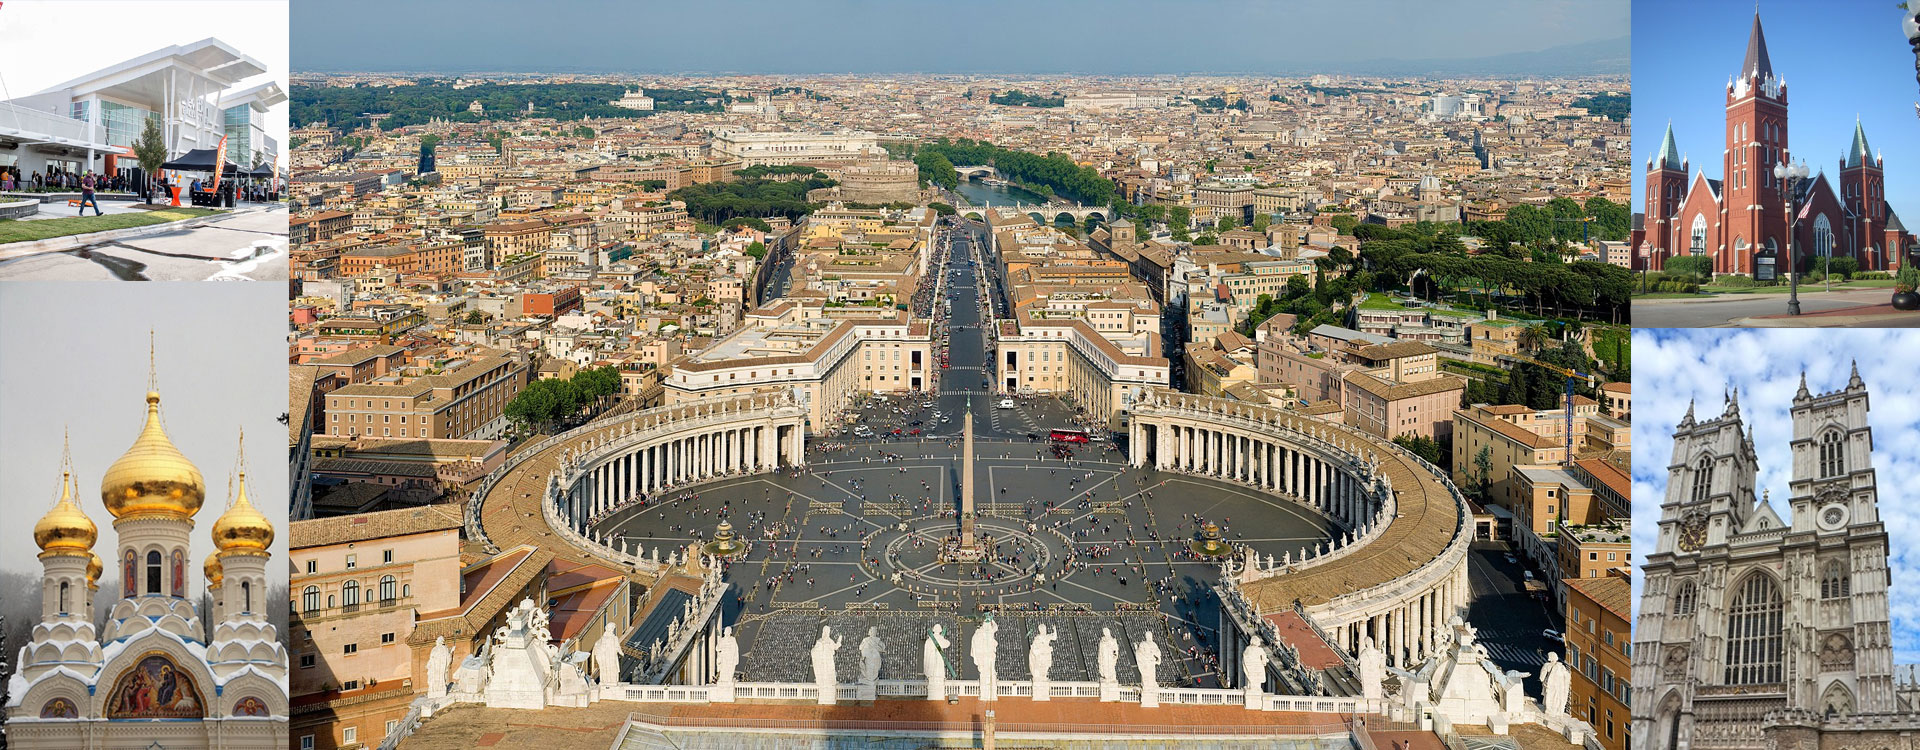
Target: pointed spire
<point x="1854" y="381"/>
<point x="1859" y="153"/>
<point x="1757" y="64"/>
<point x="1669" y="157"/>
<point x="1802" y="395"/>
<point x="1688" y="419"/>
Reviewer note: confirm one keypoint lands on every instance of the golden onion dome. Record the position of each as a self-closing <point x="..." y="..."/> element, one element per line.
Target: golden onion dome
<point x="215" y="573"/>
<point x="242" y="528"/>
<point x="152" y="478"/>
<point x="65" y="529"/>
<point x="93" y="570"/>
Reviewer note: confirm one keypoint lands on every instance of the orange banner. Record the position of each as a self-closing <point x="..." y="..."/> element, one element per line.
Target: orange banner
<point x="219" y="163"/>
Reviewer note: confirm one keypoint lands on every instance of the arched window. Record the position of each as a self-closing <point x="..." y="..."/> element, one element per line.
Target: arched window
<point x="63" y="597"/>
<point x="1699" y="235"/>
<point x="1683" y="598"/>
<point x="246" y="596"/>
<point x="329" y="601"/>
<point x="1834" y="581"/>
<point x="153" y="572"/>
<point x="1822" y="236"/>
<point x="310" y="599"/>
<point x="386" y="588"/>
<point x="350" y="593"/>
<point x="1754" y="633"/>
<point x="1833" y="454"/>
<point x="1702" y="479"/>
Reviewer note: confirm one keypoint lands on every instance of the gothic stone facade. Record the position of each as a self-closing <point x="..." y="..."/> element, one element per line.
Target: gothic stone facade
<point x="1758" y="631"/>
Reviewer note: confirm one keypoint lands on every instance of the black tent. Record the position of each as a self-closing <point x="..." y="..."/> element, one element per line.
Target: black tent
<point x="262" y="170"/>
<point x="200" y="160"/>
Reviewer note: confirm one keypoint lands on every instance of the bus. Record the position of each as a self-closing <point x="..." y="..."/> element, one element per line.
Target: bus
<point x="1068" y="436"/>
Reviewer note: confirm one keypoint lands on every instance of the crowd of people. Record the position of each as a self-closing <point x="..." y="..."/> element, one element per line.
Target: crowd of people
<point x="60" y="179"/>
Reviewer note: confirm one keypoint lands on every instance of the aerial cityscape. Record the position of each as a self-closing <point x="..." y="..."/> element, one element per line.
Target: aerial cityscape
<point x="1033" y="406"/>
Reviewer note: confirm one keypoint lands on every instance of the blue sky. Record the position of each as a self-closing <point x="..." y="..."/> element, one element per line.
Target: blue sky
<point x="1765" y="364"/>
<point x="868" y="36"/>
<point x="1839" y="58"/>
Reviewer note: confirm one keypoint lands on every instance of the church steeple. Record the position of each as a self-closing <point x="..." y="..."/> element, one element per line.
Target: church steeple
<point x="1860" y="153"/>
<point x="1669" y="156"/>
<point x="1758" y="64"/>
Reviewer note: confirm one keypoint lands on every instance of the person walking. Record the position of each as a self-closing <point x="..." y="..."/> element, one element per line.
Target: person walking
<point x="86" y="196"/>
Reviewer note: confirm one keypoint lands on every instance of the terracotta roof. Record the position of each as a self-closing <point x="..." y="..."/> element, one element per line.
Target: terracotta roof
<point x="1397" y="391"/>
<point x="321" y="532"/>
<point x="1609" y="591"/>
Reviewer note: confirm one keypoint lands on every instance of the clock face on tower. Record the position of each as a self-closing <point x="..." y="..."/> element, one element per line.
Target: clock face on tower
<point x="1693" y="532"/>
<point x="1833" y="516"/>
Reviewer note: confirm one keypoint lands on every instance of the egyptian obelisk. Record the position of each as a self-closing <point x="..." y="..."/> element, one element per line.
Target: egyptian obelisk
<point x="966" y="480"/>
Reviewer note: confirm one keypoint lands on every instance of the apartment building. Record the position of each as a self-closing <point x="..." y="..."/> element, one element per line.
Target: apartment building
<point x="464" y="399"/>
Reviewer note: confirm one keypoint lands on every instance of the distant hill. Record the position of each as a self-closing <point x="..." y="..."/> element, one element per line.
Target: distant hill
<point x="1601" y="57"/>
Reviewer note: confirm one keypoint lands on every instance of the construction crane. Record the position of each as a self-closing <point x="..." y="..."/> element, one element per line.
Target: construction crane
<point x="1572" y="376"/>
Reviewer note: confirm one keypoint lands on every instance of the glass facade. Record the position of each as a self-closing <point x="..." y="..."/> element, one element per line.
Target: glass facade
<point x="123" y="123"/>
<point x="239" y="124"/>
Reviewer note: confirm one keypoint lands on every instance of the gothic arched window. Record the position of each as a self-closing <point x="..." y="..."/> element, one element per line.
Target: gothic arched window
<point x="1834" y="581"/>
<point x="153" y="572"/>
<point x="310" y="599"/>
<point x="1822" y="236"/>
<point x="1699" y="235"/>
<point x="1754" y="633"/>
<point x="1683" y="598"/>
<point x="1702" y="479"/>
<point x="1833" y="454"/>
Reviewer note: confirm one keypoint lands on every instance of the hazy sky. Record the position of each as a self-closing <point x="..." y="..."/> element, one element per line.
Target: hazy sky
<point x="50" y="42"/>
<point x="886" y="36"/>
<point x="222" y="366"/>
<point x="1700" y="364"/>
<point x="1684" y="53"/>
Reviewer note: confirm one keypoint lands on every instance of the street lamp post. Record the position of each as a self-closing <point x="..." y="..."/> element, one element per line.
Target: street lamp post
<point x="1910" y="25"/>
<point x="1790" y="174"/>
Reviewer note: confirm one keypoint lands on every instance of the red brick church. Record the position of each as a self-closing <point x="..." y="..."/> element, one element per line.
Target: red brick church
<point x="1740" y="221"/>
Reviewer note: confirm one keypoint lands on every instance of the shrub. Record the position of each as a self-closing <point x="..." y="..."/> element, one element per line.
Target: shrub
<point x="1736" y="282"/>
<point x="1872" y="276"/>
<point x="1908" y="279"/>
<point x="1841" y="267"/>
<point x="1700" y="267"/>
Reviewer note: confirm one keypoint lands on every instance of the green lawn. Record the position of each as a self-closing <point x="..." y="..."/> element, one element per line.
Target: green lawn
<point x="1378" y="301"/>
<point x="1805" y="286"/>
<point x="40" y="229"/>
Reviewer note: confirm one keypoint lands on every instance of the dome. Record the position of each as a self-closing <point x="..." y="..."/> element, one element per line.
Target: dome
<point x="65" y="529"/>
<point x="213" y="570"/>
<point x="93" y="570"/>
<point x="242" y="528"/>
<point x="152" y="478"/>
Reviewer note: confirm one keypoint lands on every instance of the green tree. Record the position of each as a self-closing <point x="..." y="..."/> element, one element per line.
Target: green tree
<point x="1345" y="223"/>
<point x="1261" y="222"/>
<point x="1180" y="221"/>
<point x="582" y="131"/>
<point x="747" y="221"/>
<point x="1227" y="223"/>
<point x="476" y="317"/>
<point x="151" y="151"/>
<point x="757" y="250"/>
<point x="1424" y="447"/>
<point x="1483" y="472"/>
<point x="943" y="209"/>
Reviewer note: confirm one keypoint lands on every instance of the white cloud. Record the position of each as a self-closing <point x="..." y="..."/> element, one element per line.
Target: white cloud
<point x="1674" y="366"/>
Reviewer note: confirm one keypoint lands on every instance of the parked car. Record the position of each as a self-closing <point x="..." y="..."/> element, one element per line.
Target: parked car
<point x="1554" y="635"/>
<point x="1005" y="403"/>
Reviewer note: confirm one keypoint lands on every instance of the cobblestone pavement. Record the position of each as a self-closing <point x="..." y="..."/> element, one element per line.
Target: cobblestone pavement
<point x="1110" y="541"/>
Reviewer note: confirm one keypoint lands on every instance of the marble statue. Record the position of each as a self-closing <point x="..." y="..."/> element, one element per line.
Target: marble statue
<point x="933" y="661"/>
<point x="437" y="662"/>
<point x="606" y="656"/>
<point x="1253" y="664"/>
<point x="471" y="677"/>
<point x="823" y="668"/>
<point x="1040" y="652"/>
<point x="1373" y="670"/>
<point x="1108" y="658"/>
<point x="870" y="650"/>
<point x="1555" y="681"/>
<point x="727" y="656"/>
<point x="1146" y="655"/>
<point x="985" y="649"/>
